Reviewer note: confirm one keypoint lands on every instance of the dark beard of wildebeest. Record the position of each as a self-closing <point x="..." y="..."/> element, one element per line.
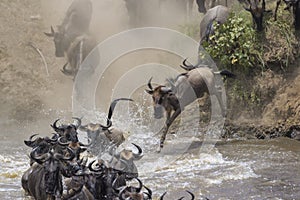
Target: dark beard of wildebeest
<point x="187" y="87"/>
<point x="103" y="136"/>
<point x="295" y="5"/>
<point x="43" y="180"/>
<point x="257" y="12"/>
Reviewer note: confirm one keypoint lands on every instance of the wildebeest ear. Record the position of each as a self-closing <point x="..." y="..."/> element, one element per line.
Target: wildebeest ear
<point x="149" y="91"/>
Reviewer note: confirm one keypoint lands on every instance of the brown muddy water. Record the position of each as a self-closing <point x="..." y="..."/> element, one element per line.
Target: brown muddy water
<point x="236" y="169"/>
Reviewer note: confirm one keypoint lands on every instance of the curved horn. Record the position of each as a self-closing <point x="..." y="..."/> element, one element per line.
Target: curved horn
<point x="78" y="124"/>
<point x="186" y="66"/>
<point x="139" y="188"/>
<point x="149" y="84"/>
<point x="138" y="155"/>
<point x="112" y="107"/>
<point x="39" y="158"/>
<point x="123" y="192"/>
<point x="54" y="126"/>
<point x="30" y="142"/>
<point x="162" y="196"/>
<point x="63" y="143"/>
<point x="98" y="169"/>
<point x="67" y="71"/>
<point x="192" y="195"/>
<point x="109" y="124"/>
<point x="148" y="193"/>
<point x="50" y="34"/>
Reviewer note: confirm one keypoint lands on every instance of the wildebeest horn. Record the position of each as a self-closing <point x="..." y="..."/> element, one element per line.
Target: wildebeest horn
<point x="122" y="192"/>
<point x="78" y="124"/>
<point x="109" y="124"/>
<point x="192" y="195"/>
<point x="39" y="158"/>
<point x="148" y="193"/>
<point x="66" y="71"/>
<point x="98" y="169"/>
<point x="162" y="196"/>
<point x="112" y="107"/>
<point x="62" y="157"/>
<point x="138" y="155"/>
<point x="63" y="143"/>
<point x="30" y="142"/>
<point x="54" y="126"/>
<point x="138" y="189"/>
<point x="186" y="66"/>
<point x="149" y="84"/>
<point x="50" y="34"/>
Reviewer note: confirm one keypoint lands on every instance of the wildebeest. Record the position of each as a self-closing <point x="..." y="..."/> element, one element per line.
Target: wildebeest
<point x="103" y="136"/>
<point x="188" y="86"/>
<point x="43" y="180"/>
<point x="125" y="160"/>
<point x="257" y="12"/>
<point x="295" y="5"/>
<point x="75" y="23"/>
<point x="72" y="37"/>
<point x="219" y="14"/>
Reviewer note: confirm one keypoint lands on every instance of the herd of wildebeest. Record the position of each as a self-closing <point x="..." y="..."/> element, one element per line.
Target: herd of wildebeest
<point x="61" y="165"/>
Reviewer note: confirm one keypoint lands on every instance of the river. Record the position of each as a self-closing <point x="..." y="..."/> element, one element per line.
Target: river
<point x="232" y="169"/>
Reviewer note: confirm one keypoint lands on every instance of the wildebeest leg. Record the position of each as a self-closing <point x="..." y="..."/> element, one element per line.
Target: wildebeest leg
<point x="166" y="128"/>
<point x="276" y="9"/>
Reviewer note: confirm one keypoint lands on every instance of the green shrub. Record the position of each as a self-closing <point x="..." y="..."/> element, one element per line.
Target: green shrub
<point x="234" y="44"/>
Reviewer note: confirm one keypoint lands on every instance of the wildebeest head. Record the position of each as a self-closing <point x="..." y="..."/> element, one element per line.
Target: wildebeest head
<point x="61" y="41"/>
<point x="52" y="166"/>
<point x="159" y="95"/>
<point x="69" y="132"/>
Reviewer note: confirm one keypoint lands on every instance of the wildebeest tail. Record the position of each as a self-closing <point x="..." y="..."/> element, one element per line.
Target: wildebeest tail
<point x="112" y="107"/>
<point x="227" y="73"/>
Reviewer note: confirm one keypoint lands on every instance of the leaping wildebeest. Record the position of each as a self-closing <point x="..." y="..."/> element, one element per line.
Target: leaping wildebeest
<point x="188" y="87"/>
